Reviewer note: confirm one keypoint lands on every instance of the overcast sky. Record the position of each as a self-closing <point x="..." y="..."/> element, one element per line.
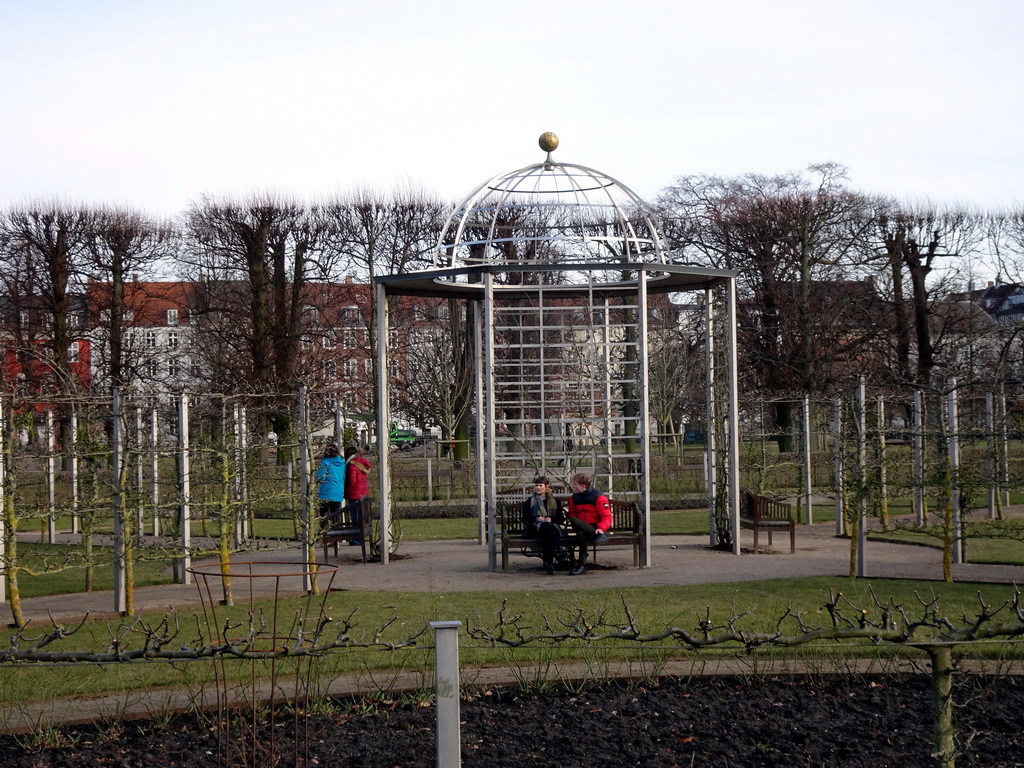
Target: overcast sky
<point x="155" y="104"/>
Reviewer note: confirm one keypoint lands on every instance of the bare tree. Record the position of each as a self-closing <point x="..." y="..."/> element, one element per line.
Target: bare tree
<point x="44" y="246"/>
<point x="377" y="234"/>
<point x="250" y="263"/>
<point x="911" y="241"/>
<point x="793" y="239"/>
<point x="122" y="245"/>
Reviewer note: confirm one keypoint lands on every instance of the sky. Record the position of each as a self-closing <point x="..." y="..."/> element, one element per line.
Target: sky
<point x="154" y="105"/>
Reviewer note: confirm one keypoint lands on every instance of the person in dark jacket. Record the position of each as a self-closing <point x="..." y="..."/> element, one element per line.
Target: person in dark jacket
<point x="331" y="478"/>
<point x="541" y="518"/>
<point x="590" y="515"/>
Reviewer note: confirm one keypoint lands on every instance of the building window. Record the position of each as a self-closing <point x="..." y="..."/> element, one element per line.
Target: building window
<point x="329" y="342"/>
<point x="24" y="317"/>
<point x="173" y="368"/>
<point x="150" y="339"/>
<point x="172" y="317"/>
<point x="307" y="342"/>
<point x="331" y="369"/>
<point x="350" y="368"/>
<point x="348" y="338"/>
<point x="73" y="351"/>
<point x="172" y="339"/>
<point x="152" y="369"/>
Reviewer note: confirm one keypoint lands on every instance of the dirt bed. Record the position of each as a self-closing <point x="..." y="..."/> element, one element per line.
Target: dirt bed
<point x="701" y="723"/>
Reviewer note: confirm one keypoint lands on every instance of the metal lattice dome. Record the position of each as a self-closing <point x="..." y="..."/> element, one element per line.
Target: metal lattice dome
<point x="550" y="214"/>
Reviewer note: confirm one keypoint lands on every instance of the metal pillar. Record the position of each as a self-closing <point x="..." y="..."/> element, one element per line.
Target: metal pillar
<point x="953" y="424"/>
<point x="117" y="504"/>
<point x="837" y="449"/>
<point x="862" y="495"/>
<point x="383" y="418"/>
<point x="183" y="573"/>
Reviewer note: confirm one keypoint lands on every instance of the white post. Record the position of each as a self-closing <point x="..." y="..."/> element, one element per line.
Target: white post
<point x="140" y="511"/>
<point x="1004" y="445"/>
<point x="74" y="470"/>
<point x="478" y="443"/>
<point x="117" y="502"/>
<point x="154" y="437"/>
<point x="883" y="491"/>
<point x="51" y="480"/>
<point x="383" y="419"/>
<point x="430" y="479"/>
<point x="184" y="491"/>
<point x="4" y="444"/>
<point x="447" y="684"/>
<point x="919" y="513"/>
<point x="710" y="470"/>
<point x="808" y="469"/>
<point x="862" y="505"/>
<point x="990" y="445"/>
<point x="305" y="517"/>
<point x="734" y="420"/>
<point x="837" y="448"/>
<point x="954" y="471"/>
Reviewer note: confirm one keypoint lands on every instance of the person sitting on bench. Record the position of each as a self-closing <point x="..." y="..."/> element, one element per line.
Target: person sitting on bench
<point x="590" y="515"/>
<point x="542" y="516"/>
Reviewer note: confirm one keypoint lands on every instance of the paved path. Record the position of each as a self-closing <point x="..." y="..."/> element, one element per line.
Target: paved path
<point x="463" y="566"/>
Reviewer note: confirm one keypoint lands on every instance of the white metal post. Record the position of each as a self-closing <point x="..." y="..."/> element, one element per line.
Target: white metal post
<point x="645" y="416"/>
<point x="140" y="511"/>
<point x="808" y="468"/>
<point x="447" y="685"/>
<point x="154" y="467"/>
<point x="478" y="393"/>
<point x="305" y="518"/>
<point x="184" y="492"/>
<point x="862" y="502"/>
<point x="990" y="446"/>
<point x="734" y="419"/>
<point x="383" y="419"/>
<point x="488" y="425"/>
<point x="74" y="471"/>
<point x="918" y="454"/>
<point x="117" y="502"/>
<point x="711" y="471"/>
<point x="4" y="446"/>
<point x="883" y="485"/>
<point x="954" y="470"/>
<point x="837" y="430"/>
<point x="51" y="480"/>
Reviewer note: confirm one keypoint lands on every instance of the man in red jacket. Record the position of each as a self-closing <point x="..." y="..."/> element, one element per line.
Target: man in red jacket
<point x="590" y="515"/>
<point x="357" y="484"/>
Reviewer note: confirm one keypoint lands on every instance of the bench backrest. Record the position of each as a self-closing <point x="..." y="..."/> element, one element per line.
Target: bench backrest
<point x="757" y="507"/>
<point x="626" y="516"/>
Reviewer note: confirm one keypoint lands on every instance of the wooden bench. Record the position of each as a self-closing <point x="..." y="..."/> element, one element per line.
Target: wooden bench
<point x="341" y="527"/>
<point x="763" y="513"/>
<point x="627" y="530"/>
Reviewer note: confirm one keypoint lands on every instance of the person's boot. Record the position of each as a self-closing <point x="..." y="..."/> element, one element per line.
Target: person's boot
<point x="549" y="568"/>
<point x="578" y="569"/>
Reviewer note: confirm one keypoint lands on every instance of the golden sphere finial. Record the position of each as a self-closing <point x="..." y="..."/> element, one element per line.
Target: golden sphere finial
<point x="548" y="141"/>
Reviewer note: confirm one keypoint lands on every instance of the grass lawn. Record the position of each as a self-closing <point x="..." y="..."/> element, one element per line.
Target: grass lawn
<point x="997" y="542"/>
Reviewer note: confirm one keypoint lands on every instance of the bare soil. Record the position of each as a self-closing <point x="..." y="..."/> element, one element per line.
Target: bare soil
<point x="701" y="722"/>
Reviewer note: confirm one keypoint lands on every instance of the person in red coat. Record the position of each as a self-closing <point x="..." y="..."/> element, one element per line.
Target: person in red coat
<point x="590" y="516"/>
<point x="357" y="484"/>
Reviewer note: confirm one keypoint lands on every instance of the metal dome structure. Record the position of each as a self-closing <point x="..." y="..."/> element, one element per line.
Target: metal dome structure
<point x="566" y="285"/>
<point x="556" y="213"/>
